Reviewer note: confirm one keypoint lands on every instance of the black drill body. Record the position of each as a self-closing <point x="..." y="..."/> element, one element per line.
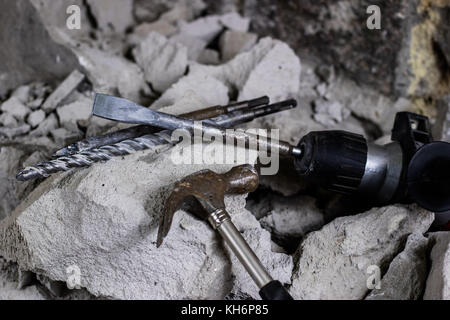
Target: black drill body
<point x="412" y="168"/>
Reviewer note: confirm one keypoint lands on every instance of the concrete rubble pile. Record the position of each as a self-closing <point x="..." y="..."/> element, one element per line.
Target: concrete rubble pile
<point x="102" y="221"/>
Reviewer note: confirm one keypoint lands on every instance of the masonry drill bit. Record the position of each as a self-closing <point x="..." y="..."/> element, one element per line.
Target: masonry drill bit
<point x="86" y="158"/>
<point x="123" y="110"/>
<point x="137" y="131"/>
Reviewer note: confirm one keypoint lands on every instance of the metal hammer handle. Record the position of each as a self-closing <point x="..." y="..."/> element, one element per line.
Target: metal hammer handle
<point x="269" y="289"/>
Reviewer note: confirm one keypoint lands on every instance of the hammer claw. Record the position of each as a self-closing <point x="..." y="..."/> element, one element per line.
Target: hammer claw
<point x="173" y="203"/>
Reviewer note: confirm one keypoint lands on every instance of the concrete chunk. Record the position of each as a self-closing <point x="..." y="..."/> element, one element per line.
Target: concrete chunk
<point x="234" y="42"/>
<point x="7" y="120"/>
<point x="163" y="61"/>
<point x="234" y="21"/>
<point x="15" y="107"/>
<point x="78" y="111"/>
<point x="112" y="15"/>
<point x="206" y="28"/>
<point x="333" y="262"/>
<point x="35" y="118"/>
<point x="63" y="90"/>
<point x="31" y="54"/>
<point x="15" y="131"/>
<point x="407" y="273"/>
<point x="438" y="282"/>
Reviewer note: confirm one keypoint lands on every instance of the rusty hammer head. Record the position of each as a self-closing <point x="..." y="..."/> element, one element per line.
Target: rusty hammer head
<point x="204" y="193"/>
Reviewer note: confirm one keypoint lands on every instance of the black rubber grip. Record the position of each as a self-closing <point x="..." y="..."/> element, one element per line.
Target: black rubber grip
<point x="274" y="290"/>
<point x="334" y="160"/>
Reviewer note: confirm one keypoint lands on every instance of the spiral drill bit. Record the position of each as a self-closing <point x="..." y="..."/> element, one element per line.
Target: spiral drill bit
<point x="161" y="139"/>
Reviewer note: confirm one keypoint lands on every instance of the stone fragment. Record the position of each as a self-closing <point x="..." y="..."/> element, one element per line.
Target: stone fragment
<point x="209" y="89"/>
<point x="31" y="54"/>
<point x="163" y="61"/>
<point x="22" y="93"/>
<point x="333" y="262"/>
<point x="79" y="111"/>
<point x="11" y="190"/>
<point x="194" y="46"/>
<point x="438" y="282"/>
<point x="329" y="113"/>
<point x="7" y="120"/>
<point x="141" y="32"/>
<point x="36" y="103"/>
<point x="209" y="56"/>
<point x="15" y="131"/>
<point x="292" y="217"/>
<point x="407" y="273"/>
<point x="15" y="107"/>
<point x="112" y="74"/>
<point x="35" y="118"/>
<point x="206" y="28"/>
<point x="235" y="21"/>
<point x="9" y="286"/>
<point x="145" y="10"/>
<point x="64" y="137"/>
<point x="112" y="15"/>
<point x="233" y="42"/>
<point x="270" y="68"/>
<point x="49" y="123"/>
<point x="63" y="90"/>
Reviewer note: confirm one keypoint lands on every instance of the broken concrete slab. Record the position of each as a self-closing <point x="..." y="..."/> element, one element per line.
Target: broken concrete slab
<point x="333" y="262"/>
<point x="141" y="32"/>
<point x="329" y="113"/>
<point x="63" y="90"/>
<point x="9" y="286"/>
<point x="15" y="131"/>
<point x="206" y="28"/>
<point x="405" y="279"/>
<point x="194" y="46"/>
<point x="35" y="118"/>
<point x="150" y="11"/>
<point x="162" y="60"/>
<point x="209" y="56"/>
<point x="11" y="159"/>
<point x="76" y="112"/>
<point x="28" y="37"/>
<point x="49" y="123"/>
<point x="15" y="107"/>
<point x="22" y="93"/>
<point x="108" y="230"/>
<point x="184" y="10"/>
<point x="112" y="74"/>
<point x="270" y="68"/>
<point x="292" y="217"/>
<point x="36" y="103"/>
<point x="63" y="137"/>
<point x="7" y="120"/>
<point x="112" y="16"/>
<point x="209" y="89"/>
<point x="438" y="282"/>
<point x="233" y="42"/>
<point x="234" y="21"/>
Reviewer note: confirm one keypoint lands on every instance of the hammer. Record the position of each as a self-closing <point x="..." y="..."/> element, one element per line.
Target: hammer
<point x="203" y="193"/>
